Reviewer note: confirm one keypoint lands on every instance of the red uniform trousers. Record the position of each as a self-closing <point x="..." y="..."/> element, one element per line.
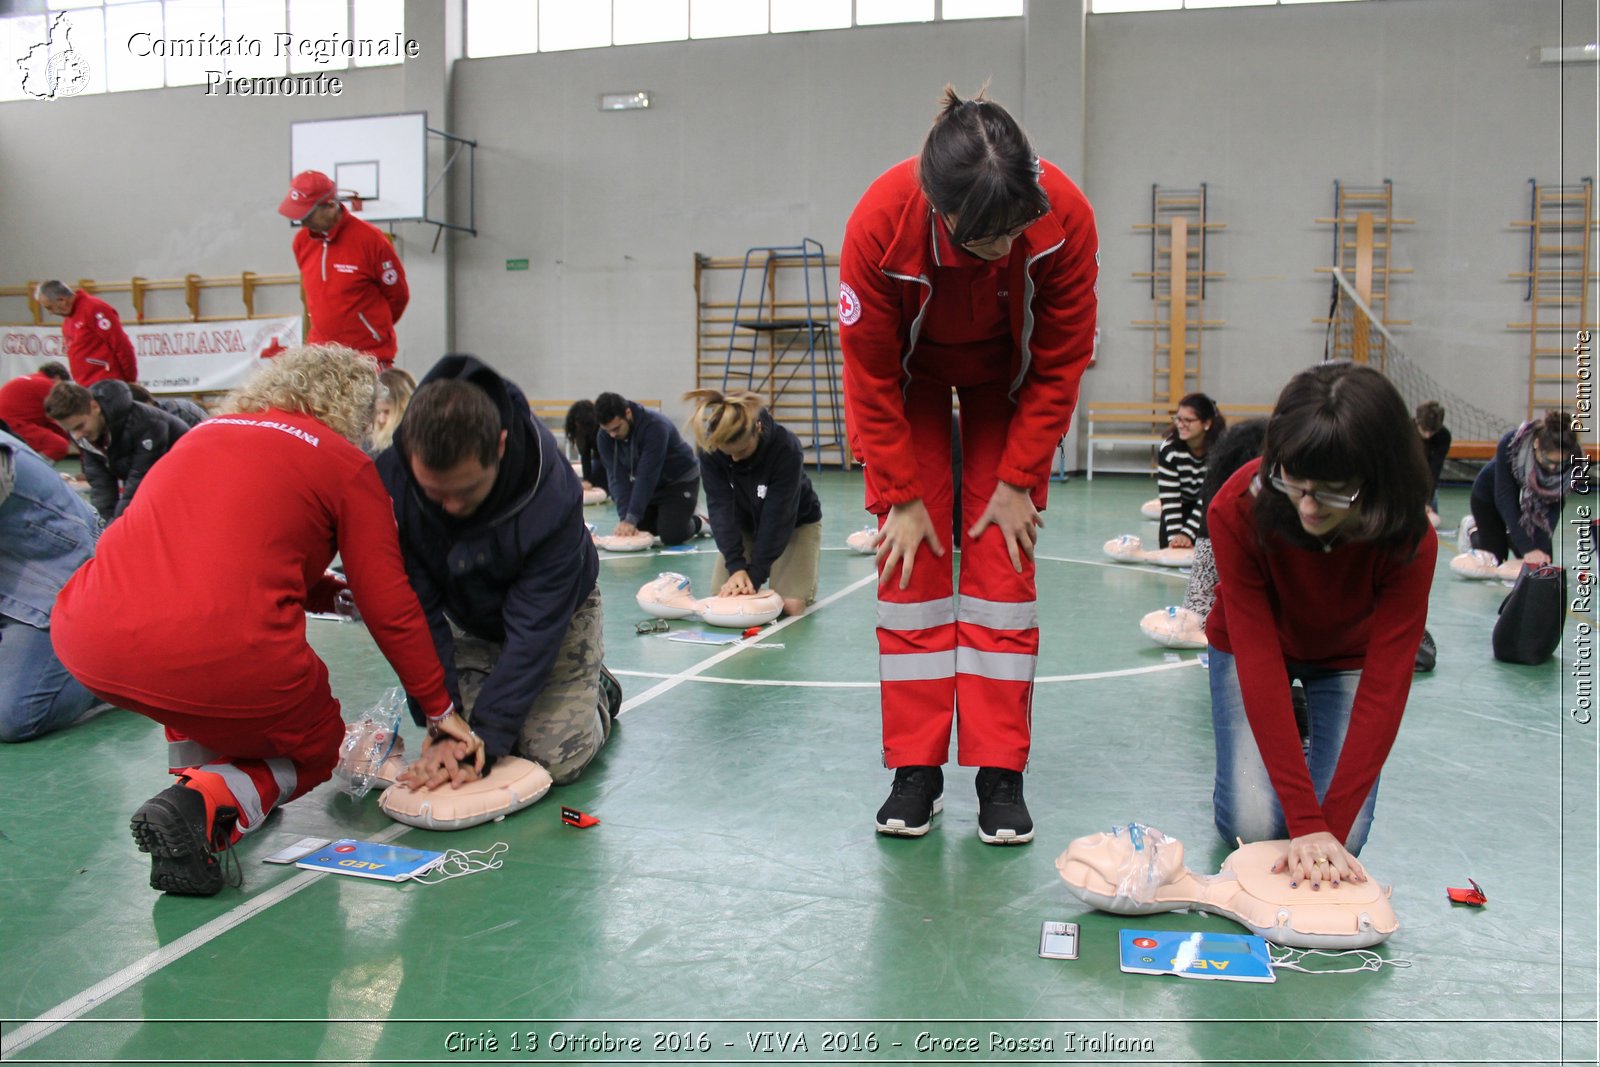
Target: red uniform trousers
<point x="939" y="658"/>
<point x="251" y="759"/>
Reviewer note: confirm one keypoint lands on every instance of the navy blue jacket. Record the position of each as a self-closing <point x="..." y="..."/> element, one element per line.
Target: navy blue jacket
<point x="640" y="468"/>
<point x="515" y="571"/>
<point x="765" y="496"/>
<point x="1497" y="482"/>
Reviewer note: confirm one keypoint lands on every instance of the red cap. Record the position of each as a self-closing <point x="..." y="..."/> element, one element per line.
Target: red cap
<point x="309" y="189"/>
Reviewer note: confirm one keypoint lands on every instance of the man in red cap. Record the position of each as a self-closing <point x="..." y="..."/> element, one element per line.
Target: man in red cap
<point x="354" y="283"/>
<point x="97" y="347"/>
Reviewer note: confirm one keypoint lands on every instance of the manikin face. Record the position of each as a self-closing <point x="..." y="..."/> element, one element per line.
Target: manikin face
<point x="462" y="489"/>
<point x="89" y="426"/>
<point x="619" y="428"/>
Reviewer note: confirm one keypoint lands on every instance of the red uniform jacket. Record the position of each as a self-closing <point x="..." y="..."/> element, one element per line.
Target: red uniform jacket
<point x="1357" y="607"/>
<point x="196" y="597"/>
<point x="96" y="346"/>
<point x="355" y="286"/>
<point x="890" y="248"/>
<point x="22" y="409"/>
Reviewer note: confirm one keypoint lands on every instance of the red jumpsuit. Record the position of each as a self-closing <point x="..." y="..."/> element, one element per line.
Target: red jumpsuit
<point x="193" y="609"/>
<point x="355" y="286"/>
<point x="919" y="317"/>
<point x="97" y="347"/>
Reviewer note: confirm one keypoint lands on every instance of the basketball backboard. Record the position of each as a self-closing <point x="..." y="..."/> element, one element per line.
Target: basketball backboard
<point x="379" y="159"/>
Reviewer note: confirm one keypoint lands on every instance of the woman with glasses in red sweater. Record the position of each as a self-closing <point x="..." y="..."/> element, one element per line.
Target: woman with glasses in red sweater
<point x="1325" y="558"/>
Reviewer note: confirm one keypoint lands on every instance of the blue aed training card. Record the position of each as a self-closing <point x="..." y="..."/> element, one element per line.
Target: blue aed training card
<point x="1192" y="954"/>
<point x="391" y="863"/>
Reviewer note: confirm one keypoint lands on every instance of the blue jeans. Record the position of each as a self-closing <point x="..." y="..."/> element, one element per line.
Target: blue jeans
<point x="37" y="695"/>
<point x="1243" y="801"/>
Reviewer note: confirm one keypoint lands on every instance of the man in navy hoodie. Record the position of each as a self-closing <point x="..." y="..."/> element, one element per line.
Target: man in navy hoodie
<point x="491" y="527"/>
<point x="650" y="470"/>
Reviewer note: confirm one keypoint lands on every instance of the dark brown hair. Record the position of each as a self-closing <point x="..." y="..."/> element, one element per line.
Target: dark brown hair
<point x="1206" y="408"/>
<point x="447" y="422"/>
<point x="66" y="399"/>
<point x="609" y="407"/>
<point x="581" y="425"/>
<point x="1345" y="422"/>
<point x="1430" y="416"/>
<point x="1554" y="433"/>
<point x="978" y="167"/>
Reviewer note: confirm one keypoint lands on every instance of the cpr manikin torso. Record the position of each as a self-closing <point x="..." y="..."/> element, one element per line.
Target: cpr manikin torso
<point x="1137" y="870"/>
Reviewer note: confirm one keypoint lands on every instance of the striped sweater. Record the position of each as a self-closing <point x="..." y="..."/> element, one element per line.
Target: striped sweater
<point x="1179" y="476"/>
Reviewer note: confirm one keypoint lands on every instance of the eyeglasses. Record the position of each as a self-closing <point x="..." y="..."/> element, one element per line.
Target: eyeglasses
<point x="1549" y="462"/>
<point x="1009" y="235"/>
<point x="1179" y="420"/>
<point x="651" y="626"/>
<point x="1295" y="493"/>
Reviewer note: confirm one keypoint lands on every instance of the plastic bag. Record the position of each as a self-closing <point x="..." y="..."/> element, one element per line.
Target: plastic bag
<point x="373" y="749"/>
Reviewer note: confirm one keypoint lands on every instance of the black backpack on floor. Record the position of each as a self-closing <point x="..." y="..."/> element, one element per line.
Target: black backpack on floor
<point x="1532" y="616"/>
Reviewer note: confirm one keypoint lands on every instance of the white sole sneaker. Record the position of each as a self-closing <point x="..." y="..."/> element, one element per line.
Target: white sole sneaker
<point x="1005" y="837"/>
<point x="898" y="828"/>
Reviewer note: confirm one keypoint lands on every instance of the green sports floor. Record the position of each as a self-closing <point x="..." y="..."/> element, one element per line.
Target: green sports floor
<point x="735" y="906"/>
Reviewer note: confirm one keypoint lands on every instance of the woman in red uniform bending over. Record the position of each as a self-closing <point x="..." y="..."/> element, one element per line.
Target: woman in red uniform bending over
<point x="193" y="610"/>
<point x="969" y="270"/>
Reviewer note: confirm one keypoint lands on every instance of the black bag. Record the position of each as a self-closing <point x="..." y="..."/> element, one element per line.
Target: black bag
<point x="1427" y="653"/>
<point x="1532" y="616"/>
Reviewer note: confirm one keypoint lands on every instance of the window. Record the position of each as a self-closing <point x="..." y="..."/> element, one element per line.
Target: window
<point x="1108" y="7"/>
<point x="510" y="27"/>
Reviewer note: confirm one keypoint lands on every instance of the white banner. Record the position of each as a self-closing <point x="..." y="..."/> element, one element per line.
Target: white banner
<point x="174" y="357"/>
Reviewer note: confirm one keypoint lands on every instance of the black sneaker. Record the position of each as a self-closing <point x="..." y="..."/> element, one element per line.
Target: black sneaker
<point x="1002" y="816"/>
<point x="171" y="826"/>
<point x="915" y="798"/>
<point x="611" y="691"/>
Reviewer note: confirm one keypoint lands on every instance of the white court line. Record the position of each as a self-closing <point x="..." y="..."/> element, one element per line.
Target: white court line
<point x="672" y="681"/>
<point x="1142" y="568"/>
<point x="655" y="553"/>
<point x="55" y="1018"/>
<point x="68" y="1010"/>
<point x="1152" y="669"/>
<point x="1530" y="727"/>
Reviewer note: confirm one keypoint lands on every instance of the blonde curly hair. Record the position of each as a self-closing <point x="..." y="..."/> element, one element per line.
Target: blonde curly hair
<point x="333" y="384"/>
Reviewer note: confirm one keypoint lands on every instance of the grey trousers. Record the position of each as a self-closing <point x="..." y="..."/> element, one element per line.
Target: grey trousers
<point x="565" y="727"/>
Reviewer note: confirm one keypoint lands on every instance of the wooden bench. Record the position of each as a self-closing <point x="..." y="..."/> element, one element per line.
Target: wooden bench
<point x="1113" y="424"/>
<point x="1484" y="450"/>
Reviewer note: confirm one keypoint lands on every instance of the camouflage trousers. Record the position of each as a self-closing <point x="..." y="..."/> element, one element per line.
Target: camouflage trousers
<point x="566" y="726"/>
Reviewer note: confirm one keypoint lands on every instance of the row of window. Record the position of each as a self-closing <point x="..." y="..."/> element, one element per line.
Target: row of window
<point x="97" y="46"/>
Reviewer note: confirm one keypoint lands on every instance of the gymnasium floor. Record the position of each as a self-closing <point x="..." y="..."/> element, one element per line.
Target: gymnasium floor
<point x="734" y="899"/>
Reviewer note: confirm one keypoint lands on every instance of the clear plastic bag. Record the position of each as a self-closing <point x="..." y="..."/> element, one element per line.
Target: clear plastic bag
<point x="373" y="750"/>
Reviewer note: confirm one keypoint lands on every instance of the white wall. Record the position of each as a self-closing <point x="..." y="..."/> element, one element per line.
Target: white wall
<point x="748" y="141"/>
<point x="1270" y="107"/>
<point x="159" y="184"/>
